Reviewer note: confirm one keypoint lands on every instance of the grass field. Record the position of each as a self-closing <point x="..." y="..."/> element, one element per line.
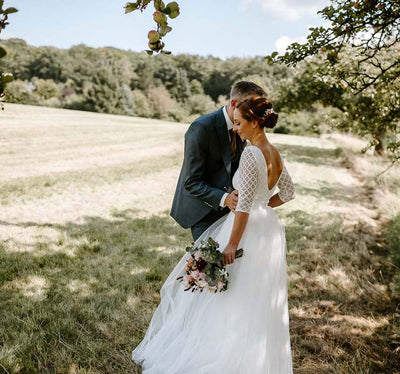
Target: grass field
<point x="86" y="243"/>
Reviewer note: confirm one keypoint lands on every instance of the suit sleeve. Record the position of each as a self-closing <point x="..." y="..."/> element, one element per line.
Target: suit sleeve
<point x="196" y="153"/>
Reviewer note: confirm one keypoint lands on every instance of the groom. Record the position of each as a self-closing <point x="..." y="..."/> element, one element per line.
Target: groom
<point x="204" y="191"/>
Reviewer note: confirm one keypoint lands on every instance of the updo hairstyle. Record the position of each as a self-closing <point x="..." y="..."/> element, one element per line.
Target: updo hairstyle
<point x="258" y="109"/>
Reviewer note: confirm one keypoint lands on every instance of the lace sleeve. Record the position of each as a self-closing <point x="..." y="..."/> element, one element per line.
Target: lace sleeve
<point x="247" y="181"/>
<point x="286" y="187"/>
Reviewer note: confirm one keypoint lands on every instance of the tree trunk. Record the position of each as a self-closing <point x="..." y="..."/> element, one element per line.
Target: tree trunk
<point x="379" y="149"/>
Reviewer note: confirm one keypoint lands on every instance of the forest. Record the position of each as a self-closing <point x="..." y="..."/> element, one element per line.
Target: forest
<point x="169" y="87"/>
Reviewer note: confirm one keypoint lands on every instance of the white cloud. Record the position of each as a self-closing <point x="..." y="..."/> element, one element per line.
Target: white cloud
<point x="282" y="42"/>
<point x="288" y="10"/>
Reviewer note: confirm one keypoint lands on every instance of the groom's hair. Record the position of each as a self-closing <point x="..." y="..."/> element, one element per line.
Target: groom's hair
<point x="242" y="89"/>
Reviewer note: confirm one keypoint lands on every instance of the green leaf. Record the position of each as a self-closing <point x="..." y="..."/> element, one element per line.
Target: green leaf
<point x="239" y="253"/>
<point x="269" y="59"/>
<point x="166" y="52"/>
<point x="174" y="14"/>
<point x="10" y="10"/>
<point x="164" y="30"/>
<point x="159" y="5"/>
<point x="150" y="53"/>
<point x="6" y="78"/>
<point x="130" y="7"/>
<point x="171" y="7"/>
<point x="274" y="54"/>
<point x="3" y="52"/>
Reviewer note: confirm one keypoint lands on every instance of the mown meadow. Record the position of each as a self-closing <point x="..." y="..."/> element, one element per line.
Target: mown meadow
<point x="86" y="242"/>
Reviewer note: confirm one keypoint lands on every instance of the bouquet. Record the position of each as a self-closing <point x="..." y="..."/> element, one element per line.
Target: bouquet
<point x="204" y="270"/>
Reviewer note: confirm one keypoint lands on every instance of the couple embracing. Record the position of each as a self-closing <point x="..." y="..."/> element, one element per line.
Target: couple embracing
<point x="227" y="191"/>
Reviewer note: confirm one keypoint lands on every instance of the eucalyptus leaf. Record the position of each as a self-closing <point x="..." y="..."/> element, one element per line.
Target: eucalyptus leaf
<point x="239" y="253"/>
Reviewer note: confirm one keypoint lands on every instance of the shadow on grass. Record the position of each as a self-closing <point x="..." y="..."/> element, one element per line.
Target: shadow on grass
<point x="335" y="192"/>
<point x="342" y="312"/>
<point x="89" y="309"/>
<point x="311" y="155"/>
<point x="85" y="307"/>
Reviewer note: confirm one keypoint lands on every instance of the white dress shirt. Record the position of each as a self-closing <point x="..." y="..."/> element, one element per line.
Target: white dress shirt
<point x="229" y="125"/>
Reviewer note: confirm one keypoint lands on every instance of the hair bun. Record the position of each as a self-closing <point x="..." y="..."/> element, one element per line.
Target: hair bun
<point x="270" y="120"/>
<point x="258" y="109"/>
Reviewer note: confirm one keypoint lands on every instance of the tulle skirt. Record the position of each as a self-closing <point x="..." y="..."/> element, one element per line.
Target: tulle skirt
<point x="243" y="330"/>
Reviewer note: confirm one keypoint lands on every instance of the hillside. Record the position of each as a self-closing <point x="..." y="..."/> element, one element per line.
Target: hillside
<point x="86" y="242"/>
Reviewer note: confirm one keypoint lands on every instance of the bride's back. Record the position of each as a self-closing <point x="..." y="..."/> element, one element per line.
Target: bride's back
<point x="274" y="164"/>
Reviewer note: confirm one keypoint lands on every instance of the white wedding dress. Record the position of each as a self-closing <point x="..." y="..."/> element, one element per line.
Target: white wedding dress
<point x="245" y="329"/>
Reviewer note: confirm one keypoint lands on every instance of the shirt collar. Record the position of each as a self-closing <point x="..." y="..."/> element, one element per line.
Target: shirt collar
<point x="229" y="123"/>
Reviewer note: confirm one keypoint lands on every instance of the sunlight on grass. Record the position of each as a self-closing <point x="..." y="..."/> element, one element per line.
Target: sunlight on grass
<point x="138" y="271"/>
<point x="76" y="286"/>
<point x="33" y="286"/>
<point x="86" y="243"/>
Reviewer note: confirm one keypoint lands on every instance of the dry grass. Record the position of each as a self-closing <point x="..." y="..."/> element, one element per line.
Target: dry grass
<point x="86" y="243"/>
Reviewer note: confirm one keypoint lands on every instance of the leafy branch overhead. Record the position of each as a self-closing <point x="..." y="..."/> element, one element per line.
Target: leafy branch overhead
<point x="160" y="16"/>
<point x="4" y="77"/>
<point x="358" y="56"/>
<point x="371" y="28"/>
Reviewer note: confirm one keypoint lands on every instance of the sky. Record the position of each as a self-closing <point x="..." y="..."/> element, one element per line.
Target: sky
<point x="221" y="28"/>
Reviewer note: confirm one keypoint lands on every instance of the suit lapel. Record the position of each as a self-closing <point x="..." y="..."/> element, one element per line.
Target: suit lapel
<point x="223" y="137"/>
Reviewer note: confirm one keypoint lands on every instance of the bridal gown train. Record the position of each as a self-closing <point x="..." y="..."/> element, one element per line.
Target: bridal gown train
<point x="244" y="330"/>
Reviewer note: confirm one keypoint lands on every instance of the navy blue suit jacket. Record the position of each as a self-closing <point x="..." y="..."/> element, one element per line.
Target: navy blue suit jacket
<point x="206" y="172"/>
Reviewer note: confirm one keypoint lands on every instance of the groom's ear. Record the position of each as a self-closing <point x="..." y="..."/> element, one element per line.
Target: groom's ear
<point x="233" y="103"/>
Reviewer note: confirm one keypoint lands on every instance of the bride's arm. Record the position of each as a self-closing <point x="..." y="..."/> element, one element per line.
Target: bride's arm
<point x="286" y="190"/>
<point x="275" y="201"/>
<point x="239" y="225"/>
<point x="248" y="176"/>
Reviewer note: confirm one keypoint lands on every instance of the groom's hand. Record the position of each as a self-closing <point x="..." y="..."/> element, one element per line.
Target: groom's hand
<point x="231" y="200"/>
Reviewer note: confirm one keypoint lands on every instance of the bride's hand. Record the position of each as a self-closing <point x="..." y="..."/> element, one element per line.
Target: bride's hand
<point x="229" y="254"/>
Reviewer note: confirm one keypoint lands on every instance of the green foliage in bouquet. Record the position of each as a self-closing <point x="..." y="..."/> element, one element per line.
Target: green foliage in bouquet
<point x="204" y="269"/>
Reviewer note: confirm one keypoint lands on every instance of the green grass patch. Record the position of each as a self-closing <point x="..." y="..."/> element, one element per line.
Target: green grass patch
<point x="89" y="310"/>
<point x="391" y="237"/>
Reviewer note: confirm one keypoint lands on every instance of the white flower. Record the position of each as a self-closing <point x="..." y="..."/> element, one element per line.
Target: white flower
<point x="223" y="272"/>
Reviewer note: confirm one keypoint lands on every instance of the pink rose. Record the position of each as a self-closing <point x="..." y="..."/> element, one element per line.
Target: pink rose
<point x="220" y="285"/>
<point x="197" y="255"/>
<point x="195" y="274"/>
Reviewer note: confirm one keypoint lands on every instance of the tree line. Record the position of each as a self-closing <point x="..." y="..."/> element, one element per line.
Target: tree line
<point x="182" y="87"/>
<point x="108" y="80"/>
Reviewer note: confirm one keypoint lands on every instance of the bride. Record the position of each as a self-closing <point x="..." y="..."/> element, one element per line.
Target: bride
<point x="244" y="329"/>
